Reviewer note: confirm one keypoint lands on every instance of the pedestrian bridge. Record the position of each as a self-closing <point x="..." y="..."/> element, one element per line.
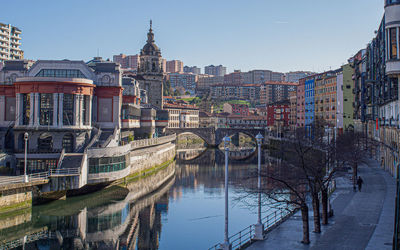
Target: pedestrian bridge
<point x="214" y="136"/>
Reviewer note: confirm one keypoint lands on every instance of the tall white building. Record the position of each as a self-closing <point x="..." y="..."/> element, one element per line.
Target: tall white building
<point x="10" y="42"/>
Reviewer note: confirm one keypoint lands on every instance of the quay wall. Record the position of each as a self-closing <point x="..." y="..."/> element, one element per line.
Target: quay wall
<point x="16" y="201"/>
<point x="139" y="160"/>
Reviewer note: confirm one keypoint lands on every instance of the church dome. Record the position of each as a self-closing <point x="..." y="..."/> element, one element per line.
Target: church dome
<point x="150" y="48"/>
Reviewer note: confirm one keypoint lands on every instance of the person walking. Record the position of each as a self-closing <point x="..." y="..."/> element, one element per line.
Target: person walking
<point x="359" y="183"/>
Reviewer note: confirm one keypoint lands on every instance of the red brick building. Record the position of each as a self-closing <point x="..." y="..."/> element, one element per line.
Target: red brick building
<point x="278" y="114"/>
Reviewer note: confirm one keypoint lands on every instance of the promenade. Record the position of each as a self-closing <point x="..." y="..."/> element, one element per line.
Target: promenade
<point x="362" y="220"/>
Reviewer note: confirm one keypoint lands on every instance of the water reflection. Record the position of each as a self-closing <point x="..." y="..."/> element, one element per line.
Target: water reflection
<point x="178" y="207"/>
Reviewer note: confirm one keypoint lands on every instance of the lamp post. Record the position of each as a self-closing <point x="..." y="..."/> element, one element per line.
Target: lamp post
<point x="259" y="227"/>
<point x="226" y="245"/>
<point x="26" y="135"/>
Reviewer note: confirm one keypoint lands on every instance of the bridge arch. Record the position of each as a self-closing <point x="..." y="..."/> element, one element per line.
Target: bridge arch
<point x="192" y="133"/>
<point x="206" y="134"/>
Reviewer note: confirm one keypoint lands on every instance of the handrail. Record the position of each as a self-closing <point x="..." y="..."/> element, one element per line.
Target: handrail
<point x="41" y="176"/>
<point x="6" y="180"/>
<point x="64" y="171"/>
<point x="246" y="235"/>
<point x="152" y="141"/>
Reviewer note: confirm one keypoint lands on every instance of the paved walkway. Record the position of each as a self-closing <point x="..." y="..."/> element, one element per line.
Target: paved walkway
<point x="362" y="220"/>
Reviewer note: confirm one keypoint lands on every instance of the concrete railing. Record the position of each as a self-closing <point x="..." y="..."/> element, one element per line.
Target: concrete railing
<point x="152" y="141"/>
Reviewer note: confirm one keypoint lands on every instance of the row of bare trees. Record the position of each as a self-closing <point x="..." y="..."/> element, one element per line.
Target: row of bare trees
<point x="308" y="162"/>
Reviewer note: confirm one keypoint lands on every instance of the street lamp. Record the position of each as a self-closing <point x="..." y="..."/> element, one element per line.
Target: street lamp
<point x="26" y="135"/>
<point x="226" y="245"/>
<point x="259" y="227"/>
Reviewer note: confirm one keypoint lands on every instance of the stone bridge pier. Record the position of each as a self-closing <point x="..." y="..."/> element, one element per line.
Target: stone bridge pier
<point x="214" y="136"/>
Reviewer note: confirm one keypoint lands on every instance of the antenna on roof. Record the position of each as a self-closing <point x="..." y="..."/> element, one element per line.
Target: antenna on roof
<point x="97" y="52"/>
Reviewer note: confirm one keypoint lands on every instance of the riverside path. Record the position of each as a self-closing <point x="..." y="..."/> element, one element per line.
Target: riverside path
<point x="362" y="220"/>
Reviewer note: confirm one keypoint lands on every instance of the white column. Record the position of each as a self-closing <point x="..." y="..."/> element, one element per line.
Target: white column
<point x="75" y="118"/>
<point x="397" y="42"/>
<point x="60" y="109"/>
<point x="32" y="108"/>
<point x="18" y="109"/>
<point x="116" y="111"/>
<point x="89" y="110"/>
<point x="37" y="111"/>
<point x="80" y="110"/>
<point x="55" y="109"/>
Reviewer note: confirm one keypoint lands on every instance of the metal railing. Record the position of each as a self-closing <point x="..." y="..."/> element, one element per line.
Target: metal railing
<point x="42" y="176"/>
<point x="245" y="236"/>
<point x="152" y="141"/>
<point x="6" y="180"/>
<point x="64" y="172"/>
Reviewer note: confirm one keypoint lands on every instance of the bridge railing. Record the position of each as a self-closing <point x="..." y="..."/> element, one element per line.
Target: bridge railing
<point x="246" y="235"/>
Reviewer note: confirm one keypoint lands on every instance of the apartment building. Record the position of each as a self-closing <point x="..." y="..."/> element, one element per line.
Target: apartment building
<point x="130" y="62"/>
<point x="215" y="70"/>
<point x="275" y="91"/>
<point x="174" y="66"/>
<point x="10" y="43"/>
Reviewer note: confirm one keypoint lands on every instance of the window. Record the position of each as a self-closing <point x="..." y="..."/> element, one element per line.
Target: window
<point x="104" y="110"/>
<point x="392" y="43"/>
<point x="68" y="143"/>
<point x="61" y="73"/>
<point x="106" y="164"/>
<point x="10" y="108"/>
<point x="68" y="109"/>
<point x="37" y="165"/>
<point x="85" y="109"/>
<point x="26" y="109"/>
<point x="46" y="109"/>
<point x="45" y="142"/>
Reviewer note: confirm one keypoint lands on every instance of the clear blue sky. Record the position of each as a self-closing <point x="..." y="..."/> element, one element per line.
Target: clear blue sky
<point x="280" y="35"/>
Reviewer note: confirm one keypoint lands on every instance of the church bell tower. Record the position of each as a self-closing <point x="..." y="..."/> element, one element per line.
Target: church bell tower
<point x="150" y="69"/>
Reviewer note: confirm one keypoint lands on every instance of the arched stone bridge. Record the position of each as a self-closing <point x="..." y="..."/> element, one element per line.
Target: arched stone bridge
<point x="213" y="136"/>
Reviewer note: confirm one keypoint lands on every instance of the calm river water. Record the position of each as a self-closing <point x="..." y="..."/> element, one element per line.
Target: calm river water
<point x="178" y="207"/>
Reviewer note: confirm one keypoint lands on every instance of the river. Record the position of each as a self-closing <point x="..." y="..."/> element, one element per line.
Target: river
<point x="178" y="207"/>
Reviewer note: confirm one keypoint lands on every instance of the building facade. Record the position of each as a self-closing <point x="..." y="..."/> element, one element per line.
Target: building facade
<point x="129" y="62"/>
<point x="276" y="91"/>
<point x="195" y="70"/>
<point x="309" y="101"/>
<point x="278" y="114"/>
<point x="184" y="80"/>
<point x="236" y="109"/>
<point x="10" y="43"/>
<point x="174" y="66"/>
<point x="300" y="120"/>
<point x="215" y="70"/>
<point x="348" y="97"/>
<point x="182" y="116"/>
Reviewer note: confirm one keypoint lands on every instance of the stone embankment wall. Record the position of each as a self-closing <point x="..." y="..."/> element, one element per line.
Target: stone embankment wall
<point x="15" y="201"/>
<point x="150" y="157"/>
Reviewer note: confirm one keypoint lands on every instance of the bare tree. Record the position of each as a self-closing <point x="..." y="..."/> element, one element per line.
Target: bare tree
<point x="288" y="186"/>
<point x="351" y="149"/>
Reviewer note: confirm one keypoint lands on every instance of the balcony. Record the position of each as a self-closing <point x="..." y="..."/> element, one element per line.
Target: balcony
<point x="393" y="67"/>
